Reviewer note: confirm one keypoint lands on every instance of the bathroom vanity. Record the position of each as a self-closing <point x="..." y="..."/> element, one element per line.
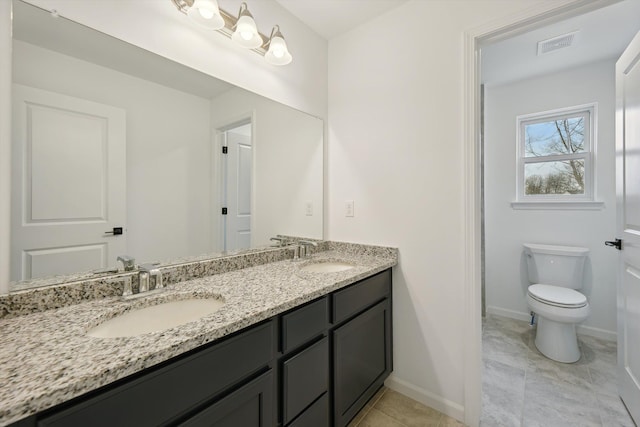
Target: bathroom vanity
<point x="290" y="347"/>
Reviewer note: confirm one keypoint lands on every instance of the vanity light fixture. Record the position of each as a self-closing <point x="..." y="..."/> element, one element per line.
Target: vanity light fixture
<point x="241" y="29"/>
<point x="206" y="13"/>
<point x="246" y="33"/>
<point x="277" y="53"/>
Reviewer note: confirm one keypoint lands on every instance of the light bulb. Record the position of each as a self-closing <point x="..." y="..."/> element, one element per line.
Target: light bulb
<point x="278" y="53"/>
<point x="246" y="33"/>
<point x="206" y="13"/>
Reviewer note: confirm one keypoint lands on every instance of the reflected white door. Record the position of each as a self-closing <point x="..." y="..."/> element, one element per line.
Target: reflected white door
<point x="69" y="184"/>
<point x="238" y="188"/>
<point x="628" y="192"/>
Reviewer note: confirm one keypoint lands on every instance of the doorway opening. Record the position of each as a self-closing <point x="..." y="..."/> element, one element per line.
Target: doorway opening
<point x="236" y="148"/>
<point x="508" y="86"/>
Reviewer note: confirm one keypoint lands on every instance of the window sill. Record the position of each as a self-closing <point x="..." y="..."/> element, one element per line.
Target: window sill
<point x="557" y="205"/>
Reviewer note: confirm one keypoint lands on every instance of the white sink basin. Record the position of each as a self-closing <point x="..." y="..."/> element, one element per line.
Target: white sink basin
<point x="156" y="318"/>
<point x="327" y="267"/>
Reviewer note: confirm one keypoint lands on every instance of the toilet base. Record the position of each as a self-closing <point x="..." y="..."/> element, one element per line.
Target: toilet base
<point x="557" y="341"/>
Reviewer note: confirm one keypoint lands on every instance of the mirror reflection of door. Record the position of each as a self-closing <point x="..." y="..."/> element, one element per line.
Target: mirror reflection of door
<point x="68" y="161"/>
<point x="236" y="192"/>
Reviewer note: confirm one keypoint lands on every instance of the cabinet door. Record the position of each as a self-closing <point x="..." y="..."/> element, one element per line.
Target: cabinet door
<point x="362" y="355"/>
<point x="249" y="406"/>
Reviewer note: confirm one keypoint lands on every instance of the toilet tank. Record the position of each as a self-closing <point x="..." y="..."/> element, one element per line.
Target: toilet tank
<point x="556" y="265"/>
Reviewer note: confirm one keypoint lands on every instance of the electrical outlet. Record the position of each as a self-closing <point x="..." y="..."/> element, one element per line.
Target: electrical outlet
<point x="348" y="208"/>
<point x="308" y="208"/>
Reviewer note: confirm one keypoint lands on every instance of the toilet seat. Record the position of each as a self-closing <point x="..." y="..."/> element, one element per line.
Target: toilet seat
<point x="557" y="296"/>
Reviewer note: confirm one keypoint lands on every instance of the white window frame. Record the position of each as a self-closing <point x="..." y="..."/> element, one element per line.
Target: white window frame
<point x="559" y="201"/>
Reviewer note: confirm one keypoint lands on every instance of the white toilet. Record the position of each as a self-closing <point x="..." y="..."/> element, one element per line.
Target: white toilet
<point x="555" y="272"/>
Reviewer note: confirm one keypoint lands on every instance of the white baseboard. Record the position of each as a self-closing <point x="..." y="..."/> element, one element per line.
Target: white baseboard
<point x="597" y="333"/>
<point x="511" y="314"/>
<point x="447" y="407"/>
<point x="581" y="329"/>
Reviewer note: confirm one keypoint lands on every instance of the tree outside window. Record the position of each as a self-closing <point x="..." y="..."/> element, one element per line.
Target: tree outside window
<point x="555" y="154"/>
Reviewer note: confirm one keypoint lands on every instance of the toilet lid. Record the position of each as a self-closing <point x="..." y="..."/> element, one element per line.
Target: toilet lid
<point x="557" y="296"/>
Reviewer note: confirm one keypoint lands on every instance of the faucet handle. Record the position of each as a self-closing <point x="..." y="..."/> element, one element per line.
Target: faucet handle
<point x="128" y="262"/>
<point x="305" y="247"/>
<point x="296" y="250"/>
<point x="153" y="271"/>
<point x="280" y="240"/>
<point x="127" y="287"/>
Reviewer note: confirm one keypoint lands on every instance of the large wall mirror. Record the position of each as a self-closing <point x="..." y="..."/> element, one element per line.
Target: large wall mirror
<point x="110" y="138"/>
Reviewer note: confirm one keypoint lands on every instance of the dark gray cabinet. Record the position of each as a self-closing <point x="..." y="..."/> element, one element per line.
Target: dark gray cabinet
<point x="305" y="377"/>
<point x="362" y="360"/>
<point x="250" y="406"/>
<point x="164" y="395"/>
<point x="314" y="366"/>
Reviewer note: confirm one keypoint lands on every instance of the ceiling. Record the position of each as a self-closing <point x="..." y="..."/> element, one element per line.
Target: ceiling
<point x="331" y="18"/>
<point x="603" y="33"/>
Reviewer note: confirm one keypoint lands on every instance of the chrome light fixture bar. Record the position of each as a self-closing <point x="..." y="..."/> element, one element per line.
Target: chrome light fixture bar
<point x="241" y="29"/>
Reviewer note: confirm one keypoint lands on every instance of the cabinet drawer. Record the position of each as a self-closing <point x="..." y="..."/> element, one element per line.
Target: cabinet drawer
<point x="305" y="323"/>
<point x="361" y="295"/>
<point x="160" y="396"/>
<point x="305" y="377"/>
<point x="316" y="416"/>
<point x="249" y="406"/>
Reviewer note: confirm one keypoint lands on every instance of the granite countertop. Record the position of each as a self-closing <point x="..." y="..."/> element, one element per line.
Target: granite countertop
<point x="47" y="358"/>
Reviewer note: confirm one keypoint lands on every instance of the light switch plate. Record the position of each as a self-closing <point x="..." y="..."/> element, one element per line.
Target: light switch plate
<point x="348" y="208"/>
<point x="308" y="208"/>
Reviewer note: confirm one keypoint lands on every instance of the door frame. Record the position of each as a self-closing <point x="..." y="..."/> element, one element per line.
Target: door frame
<point x="500" y="29"/>
<point x="217" y="172"/>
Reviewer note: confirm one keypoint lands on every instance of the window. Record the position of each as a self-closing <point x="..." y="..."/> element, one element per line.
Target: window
<point x="555" y="155"/>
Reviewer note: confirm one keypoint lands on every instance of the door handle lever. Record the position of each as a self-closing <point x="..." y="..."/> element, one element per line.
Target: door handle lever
<point x="615" y="243"/>
<point x="116" y="231"/>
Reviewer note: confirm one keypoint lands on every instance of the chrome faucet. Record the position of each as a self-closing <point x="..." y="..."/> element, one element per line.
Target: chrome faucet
<point x="296" y="249"/>
<point x="147" y="271"/>
<point x="128" y="262"/>
<point x="304" y="247"/>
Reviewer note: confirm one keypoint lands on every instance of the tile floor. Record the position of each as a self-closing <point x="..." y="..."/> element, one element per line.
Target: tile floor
<point x="522" y="388"/>
<point x="389" y="408"/>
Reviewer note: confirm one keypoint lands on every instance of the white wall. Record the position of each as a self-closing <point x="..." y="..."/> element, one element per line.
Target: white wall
<point x="396" y="90"/>
<point x="288" y="162"/>
<point x="507" y="229"/>
<point x="168" y="149"/>
<point x="160" y="28"/>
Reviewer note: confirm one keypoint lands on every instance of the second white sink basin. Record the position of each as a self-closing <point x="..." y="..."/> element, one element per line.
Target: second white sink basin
<point x="156" y="318"/>
<point x="327" y="267"/>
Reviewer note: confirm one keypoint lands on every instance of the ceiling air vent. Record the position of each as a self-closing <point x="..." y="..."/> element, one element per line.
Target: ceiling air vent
<point x="555" y="43"/>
